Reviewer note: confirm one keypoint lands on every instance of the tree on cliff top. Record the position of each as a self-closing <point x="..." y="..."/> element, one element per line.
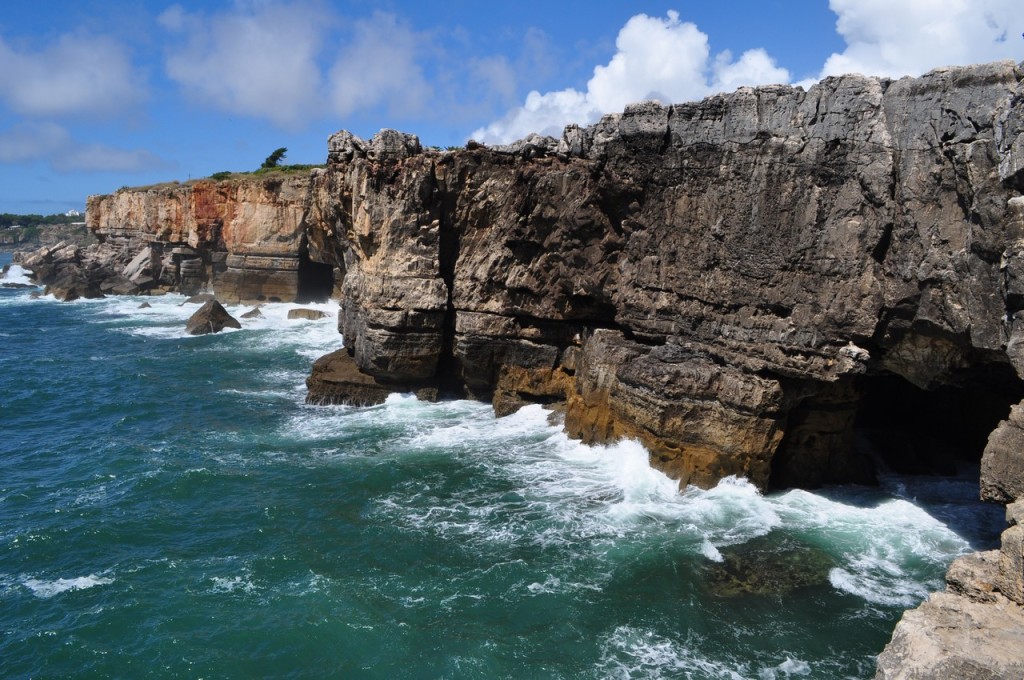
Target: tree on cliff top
<point x="274" y="159"/>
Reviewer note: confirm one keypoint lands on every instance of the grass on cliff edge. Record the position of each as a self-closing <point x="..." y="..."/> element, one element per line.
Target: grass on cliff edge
<point x="283" y="170"/>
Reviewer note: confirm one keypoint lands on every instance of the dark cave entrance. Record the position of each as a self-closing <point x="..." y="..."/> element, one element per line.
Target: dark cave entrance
<point x="916" y="431"/>
<point x="846" y="432"/>
<point x="316" y="280"/>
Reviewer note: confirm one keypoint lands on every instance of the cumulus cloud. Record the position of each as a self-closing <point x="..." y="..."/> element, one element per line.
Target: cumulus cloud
<point x="78" y="74"/>
<point x="910" y="37"/>
<point x="257" y="59"/>
<point x="379" y="66"/>
<point x="656" y="58"/>
<point x="49" y="142"/>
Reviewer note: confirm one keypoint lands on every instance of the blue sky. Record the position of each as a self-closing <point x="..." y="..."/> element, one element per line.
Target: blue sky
<point x="98" y="95"/>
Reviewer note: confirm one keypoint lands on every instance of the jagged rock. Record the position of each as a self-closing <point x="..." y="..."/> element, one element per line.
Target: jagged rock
<point x="253" y="313"/>
<point x="343" y="146"/>
<point x="875" y="236"/>
<point x="210" y="318"/>
<point x="392" y="145"/>
<point x="974" y="576"/>
<point x="1002" y="464"/>
<point x="335" y="379"/>
<point x="145" y="305"/>
<point x="304" y="313"/>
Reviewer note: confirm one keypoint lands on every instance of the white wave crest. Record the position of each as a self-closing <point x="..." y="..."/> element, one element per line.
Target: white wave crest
<point x="46" y="589"/>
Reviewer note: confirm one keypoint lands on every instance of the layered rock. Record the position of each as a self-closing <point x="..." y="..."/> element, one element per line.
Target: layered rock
<point x="241" y="237"/>
<point x="719" y="279"/>
<point x="244" y="238"/>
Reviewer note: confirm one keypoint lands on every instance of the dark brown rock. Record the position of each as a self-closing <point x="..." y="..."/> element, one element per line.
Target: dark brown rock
<point x="210" y="318"/>
<point x="335" y="379"/>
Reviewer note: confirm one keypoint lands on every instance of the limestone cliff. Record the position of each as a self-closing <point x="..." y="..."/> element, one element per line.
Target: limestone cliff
<point x="243" y="238"/>
<point x="728" y="281"/>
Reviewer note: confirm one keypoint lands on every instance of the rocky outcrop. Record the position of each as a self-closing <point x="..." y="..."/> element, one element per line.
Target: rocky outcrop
<point x="244" y="238"/>
<point x="722" y="280"/>
<point x="973" y="630"/>
<point x="210" y="318"/>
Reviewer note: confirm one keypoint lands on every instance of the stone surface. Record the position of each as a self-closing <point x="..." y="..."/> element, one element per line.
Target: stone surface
<point x="1002" y="465"/>
<point x="242" y="238"/>
<point x="953" y="637"/>
<point x="619" y="272"/>
<point x="210" y="318"/>
<point x="304" y="313"/>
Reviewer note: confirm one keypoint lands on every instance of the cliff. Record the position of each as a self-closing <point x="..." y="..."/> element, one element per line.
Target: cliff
<point x="746" y="284"/>
<point x="242" y="238"/>
<point x="789" y="286"/>
<point x="792" y="286"/>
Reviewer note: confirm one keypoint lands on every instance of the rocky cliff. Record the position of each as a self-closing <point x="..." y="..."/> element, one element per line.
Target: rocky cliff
<point x="789" y="286"/>
<point x="243" y="238"/>
<point x="792" y="286"/>
<point x="728" y="281"/>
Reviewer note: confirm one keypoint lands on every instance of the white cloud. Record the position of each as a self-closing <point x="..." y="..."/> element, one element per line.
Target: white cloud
<point x="49" y="142"/>
<point x="258" y="59"/>
<point x="379" y="66"/>
<point x="78" y="74"/>
<point x="911" y="37"/>
<point x="656" y="58"/>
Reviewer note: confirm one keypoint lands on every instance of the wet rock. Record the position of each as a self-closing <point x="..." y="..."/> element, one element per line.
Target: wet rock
<point x="210" y="318"/>
<point x="767" y="566"/>
<point x="305" y="313"/>
<point x="335" y="379"/>
<point x="253" y="313"/>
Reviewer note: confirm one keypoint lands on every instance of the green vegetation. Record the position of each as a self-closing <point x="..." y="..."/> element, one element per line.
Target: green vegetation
<point x="8" y="220"/>
<point x="274" y="159"/>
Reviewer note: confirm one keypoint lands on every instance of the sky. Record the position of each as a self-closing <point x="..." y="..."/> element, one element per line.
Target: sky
<point x="96" y="95"/>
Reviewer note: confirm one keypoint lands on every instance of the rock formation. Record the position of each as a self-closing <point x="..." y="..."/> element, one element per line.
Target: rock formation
<point x="210" y="318"/>
<point x="243" y="238"/>
<point x="774" y="283"/>
<point x="728" y="281"/>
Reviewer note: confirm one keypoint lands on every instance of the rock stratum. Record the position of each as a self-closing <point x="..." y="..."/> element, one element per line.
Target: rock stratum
<point x="244" y="238"/>
<point x="790" y="286"/>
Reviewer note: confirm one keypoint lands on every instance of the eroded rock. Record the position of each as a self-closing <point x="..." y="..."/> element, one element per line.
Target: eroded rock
<point x="210" y="318"/>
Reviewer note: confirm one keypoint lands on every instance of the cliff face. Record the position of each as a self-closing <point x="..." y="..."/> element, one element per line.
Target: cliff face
<point x="244" y="239"/>
<point x="723" y="280"/>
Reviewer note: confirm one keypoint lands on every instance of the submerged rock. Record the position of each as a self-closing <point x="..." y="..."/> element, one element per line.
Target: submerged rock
<point x="304" y="313"/>
<point x="211" y="318"/>
<point x="253" y="313"/>
<point x="767" y="566"/>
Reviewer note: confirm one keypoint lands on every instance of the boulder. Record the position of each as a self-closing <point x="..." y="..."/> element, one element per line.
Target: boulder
<point x="305" y="313"/>
<point x="210" y="318"/>
<point x="253" y="313"/>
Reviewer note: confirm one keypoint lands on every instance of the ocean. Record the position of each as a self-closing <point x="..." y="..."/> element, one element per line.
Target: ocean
<point x="170" y="508"/>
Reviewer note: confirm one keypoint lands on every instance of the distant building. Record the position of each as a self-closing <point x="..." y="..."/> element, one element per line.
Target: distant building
<point x="72" y="213"/>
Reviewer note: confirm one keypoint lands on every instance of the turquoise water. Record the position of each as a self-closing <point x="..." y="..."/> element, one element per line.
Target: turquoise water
<point x="169" y="507"/>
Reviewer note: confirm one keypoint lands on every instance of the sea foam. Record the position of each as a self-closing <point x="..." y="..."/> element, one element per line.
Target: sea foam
<point x="45" y="589"/>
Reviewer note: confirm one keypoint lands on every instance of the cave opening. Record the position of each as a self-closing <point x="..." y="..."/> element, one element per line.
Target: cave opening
<point x="847" y="432"/>
<point x="316" y="280"/>
<point x="917" y="431"/>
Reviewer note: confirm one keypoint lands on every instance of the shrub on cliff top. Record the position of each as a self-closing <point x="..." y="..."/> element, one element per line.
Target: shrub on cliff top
<point x="274" y="159"/>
